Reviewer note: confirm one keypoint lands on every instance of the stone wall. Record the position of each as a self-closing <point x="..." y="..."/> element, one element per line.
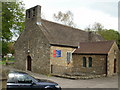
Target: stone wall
<point x="60" y="63"/>
<point x="3" y="77"/>
<point x="33" y="39"/>
<point x="98" y="64"/>
<point x="112" y="55"/>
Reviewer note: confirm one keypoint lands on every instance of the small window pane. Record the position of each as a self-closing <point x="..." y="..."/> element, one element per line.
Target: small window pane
<point x="84" y="61"/>
<point x="69" y="57"/>
<point x="90" y="61"/>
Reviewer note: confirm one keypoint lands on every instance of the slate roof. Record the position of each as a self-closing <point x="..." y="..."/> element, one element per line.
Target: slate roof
<point x="58" y="34"/>
<point x="99" y="47"/>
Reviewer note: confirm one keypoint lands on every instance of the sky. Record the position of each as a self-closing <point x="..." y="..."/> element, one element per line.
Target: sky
<point x="85" y="12"/>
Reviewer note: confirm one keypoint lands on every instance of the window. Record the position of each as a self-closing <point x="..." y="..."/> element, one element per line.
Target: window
<point x="23" y="78"/>
<point x="90" y="61"/>
<point x="11" y="78"/>
<point x="84" y="62"/>
<point x="28" y="13"/>
<point x="18" y="78"/>
<point x="115" y="52"/>
<point x="69" y="57"/>
<point x="33" y="12"/>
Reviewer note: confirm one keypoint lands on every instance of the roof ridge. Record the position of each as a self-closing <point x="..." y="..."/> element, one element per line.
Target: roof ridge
<point x="63" y="25"/>
<point x="99" y="41"/>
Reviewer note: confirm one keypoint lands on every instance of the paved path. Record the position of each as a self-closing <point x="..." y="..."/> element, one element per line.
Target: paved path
<point x="103" y="82"/>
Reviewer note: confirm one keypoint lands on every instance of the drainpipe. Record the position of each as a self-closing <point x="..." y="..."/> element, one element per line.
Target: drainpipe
<point x="106" y="65"/>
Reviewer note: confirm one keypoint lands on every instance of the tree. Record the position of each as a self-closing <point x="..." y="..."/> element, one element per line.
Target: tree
<point x="97" y="27"/>
<point x="88" y="28"/>
<point x="11" y="47"/>
<point x="107" y="34"/>
<point x="13" y="18"/>
<point x="111" y="35"/>
<point x="64" y="18"/>
<point x="4" y="48"/>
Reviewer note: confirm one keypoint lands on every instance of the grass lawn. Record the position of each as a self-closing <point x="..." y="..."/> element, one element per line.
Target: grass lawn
<point x="4" y="62"/>
<point x="10" y="60"/>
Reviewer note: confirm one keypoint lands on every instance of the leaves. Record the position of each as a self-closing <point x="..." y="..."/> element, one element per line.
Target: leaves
<point x="111" y="35"/>
<point x="107" y="34"/>
<point x="7" y="47"/>
<point x="12" y="19"/>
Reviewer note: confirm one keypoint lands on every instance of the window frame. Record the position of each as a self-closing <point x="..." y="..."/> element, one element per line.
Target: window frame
<point x="90" y="59"/>
<point x="70" y="57"/>
<point x="84" y="60"/>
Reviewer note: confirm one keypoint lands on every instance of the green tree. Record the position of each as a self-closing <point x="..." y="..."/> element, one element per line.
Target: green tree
<point x="111" y="35"/>
<point x="107" y="34"/>
<point x="4" y="48"/>
<point x="64" y="18"/>
<point x="11" y="47"/>
<point x="13" y="18"/>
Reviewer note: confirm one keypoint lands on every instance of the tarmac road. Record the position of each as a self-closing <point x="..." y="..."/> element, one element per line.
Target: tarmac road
<point x="103" y="82"/>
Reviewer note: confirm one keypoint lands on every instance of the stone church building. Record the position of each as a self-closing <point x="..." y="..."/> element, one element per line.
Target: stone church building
<point x="45" y="46"/>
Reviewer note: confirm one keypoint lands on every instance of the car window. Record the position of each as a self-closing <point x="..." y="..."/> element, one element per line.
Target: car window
<point x="18" y="78"/>
<point x="22" y="78"/>
<point x="11" y="78"/>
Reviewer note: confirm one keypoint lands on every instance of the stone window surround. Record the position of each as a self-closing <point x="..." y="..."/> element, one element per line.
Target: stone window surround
<point x="87" y="62"/>
<point x="70" y="53"/>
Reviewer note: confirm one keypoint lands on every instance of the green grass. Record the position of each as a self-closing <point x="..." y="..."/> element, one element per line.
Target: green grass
<point x="4" y="62"/>
<point x="10" y="60"/>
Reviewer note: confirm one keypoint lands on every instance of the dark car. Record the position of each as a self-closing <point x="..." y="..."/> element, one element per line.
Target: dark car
<point x="17" y="80"/>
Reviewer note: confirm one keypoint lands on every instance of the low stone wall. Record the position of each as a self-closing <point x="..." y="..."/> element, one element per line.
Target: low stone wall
<point x="79" y="77"/>
<point x="3" y="77"/>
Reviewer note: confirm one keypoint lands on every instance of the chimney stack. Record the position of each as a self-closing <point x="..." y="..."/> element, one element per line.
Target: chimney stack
<point x="89" y="36"/>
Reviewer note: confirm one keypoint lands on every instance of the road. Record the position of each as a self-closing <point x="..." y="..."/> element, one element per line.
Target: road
<point x="103" y="82"/>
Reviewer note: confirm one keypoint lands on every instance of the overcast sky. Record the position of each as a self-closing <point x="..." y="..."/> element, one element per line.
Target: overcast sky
<point x="85" y="12"/>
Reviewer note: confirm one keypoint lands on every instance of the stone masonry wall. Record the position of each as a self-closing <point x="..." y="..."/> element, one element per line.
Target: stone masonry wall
<point x="98" y="64"/>
<point x="34" y="40"/>
<point x="60" y="63"/>
<point x="112" y="55"/>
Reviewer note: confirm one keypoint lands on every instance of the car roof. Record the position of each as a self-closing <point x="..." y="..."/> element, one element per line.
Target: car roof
<point x="17" y="72"/>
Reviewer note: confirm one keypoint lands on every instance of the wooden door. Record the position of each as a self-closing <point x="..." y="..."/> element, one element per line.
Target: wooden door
<point x="29" y="63"/>
<point x="114" y="65"/>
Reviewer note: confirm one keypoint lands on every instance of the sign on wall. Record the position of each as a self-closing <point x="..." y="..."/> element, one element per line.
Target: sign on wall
<point x="57" y="53"/>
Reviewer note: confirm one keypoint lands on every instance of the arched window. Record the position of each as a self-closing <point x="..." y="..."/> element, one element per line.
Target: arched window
<point x="90" y="61"/>
<point x="84" y="62"/>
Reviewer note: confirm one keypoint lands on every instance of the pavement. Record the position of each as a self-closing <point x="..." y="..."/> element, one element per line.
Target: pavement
<point x="102" y="82"/>
<point x="109" y="83"/>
